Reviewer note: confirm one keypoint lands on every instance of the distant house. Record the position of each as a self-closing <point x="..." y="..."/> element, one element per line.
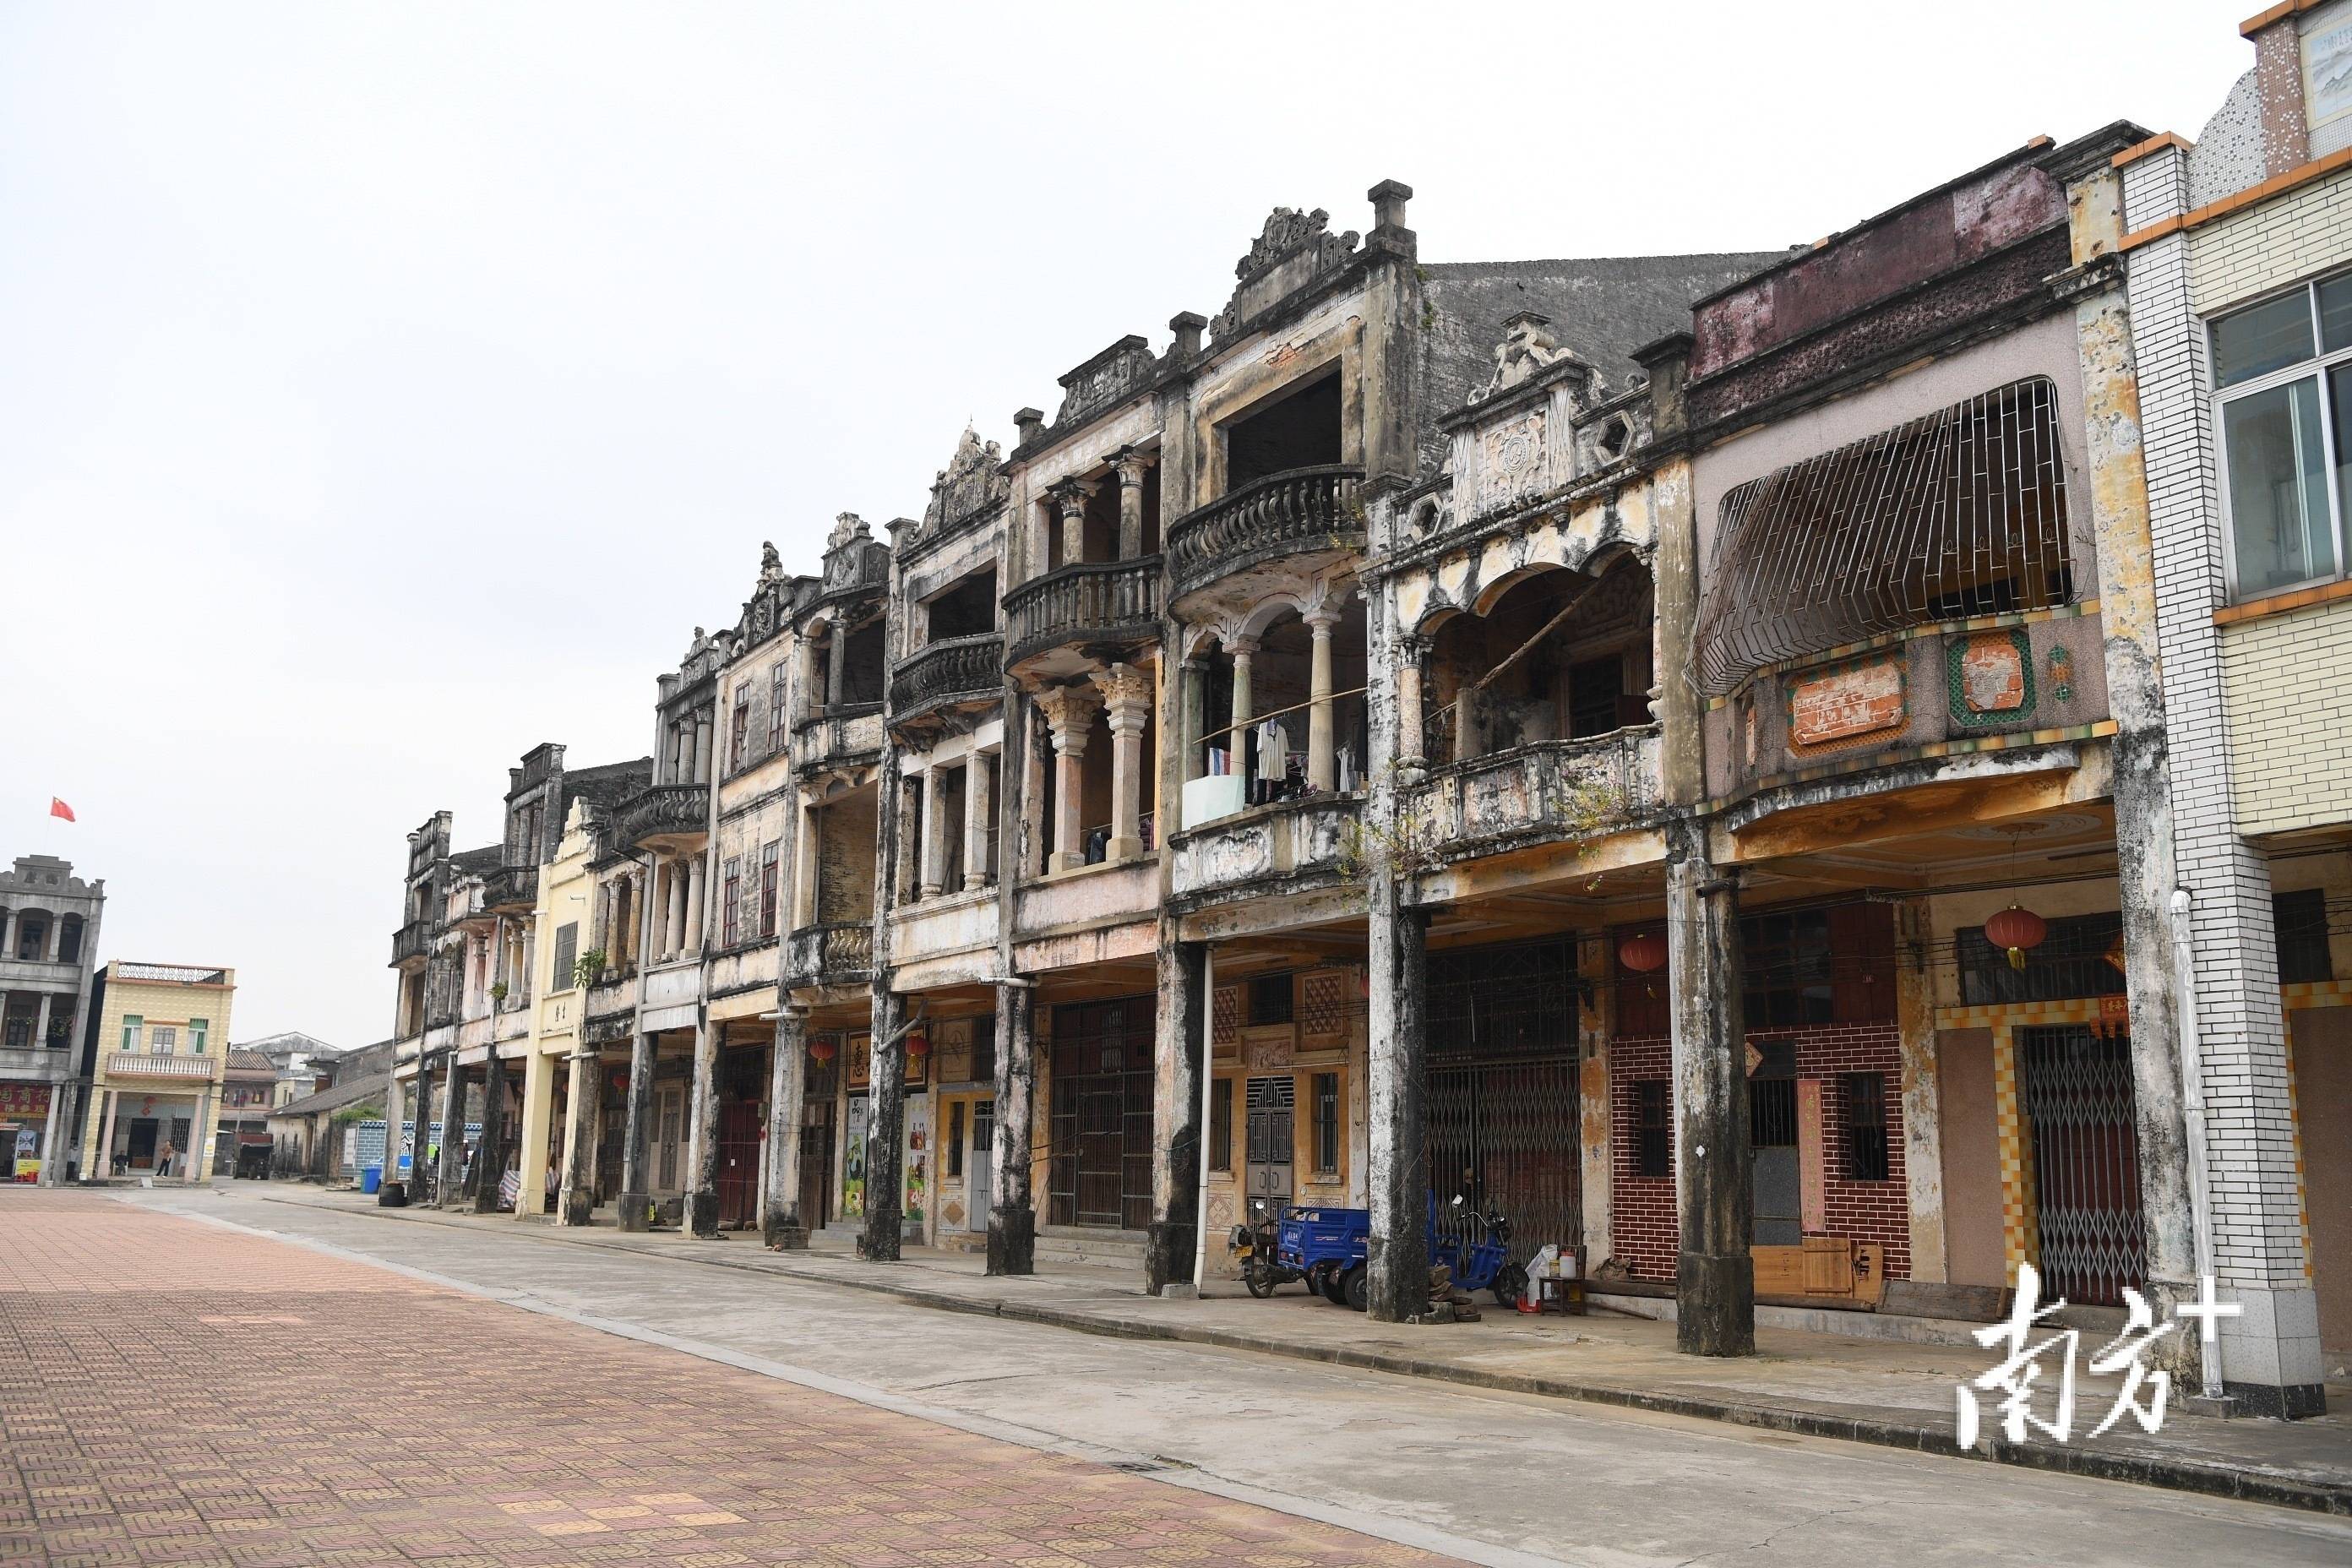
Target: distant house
<point x="304" y="1136"/>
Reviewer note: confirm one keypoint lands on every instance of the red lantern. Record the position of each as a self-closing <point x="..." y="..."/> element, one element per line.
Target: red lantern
<point x="1644" y="953"/>
<point x="821" y="1049"/>
<point x="919" y="1045"/>
<point x="2015" y="930"/>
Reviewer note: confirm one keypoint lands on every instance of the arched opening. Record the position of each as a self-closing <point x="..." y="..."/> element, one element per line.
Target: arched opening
<point x="1288" y="721"/>
<point x="1558" y="655"/>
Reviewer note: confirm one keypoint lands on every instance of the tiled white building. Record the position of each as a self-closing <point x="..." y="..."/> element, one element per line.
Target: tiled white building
<point x="2239" y="249"/>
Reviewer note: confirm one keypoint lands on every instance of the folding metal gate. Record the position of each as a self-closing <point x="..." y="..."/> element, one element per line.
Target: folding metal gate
<point x="2077" y="1088"/>
<point x="1504" y="1132"/>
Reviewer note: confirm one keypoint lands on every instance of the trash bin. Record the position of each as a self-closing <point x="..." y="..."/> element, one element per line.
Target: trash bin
<point x="371" y="1178"/>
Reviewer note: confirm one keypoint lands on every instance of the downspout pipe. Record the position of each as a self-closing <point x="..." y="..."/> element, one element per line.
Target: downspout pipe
<point x="2192" y="1087"/>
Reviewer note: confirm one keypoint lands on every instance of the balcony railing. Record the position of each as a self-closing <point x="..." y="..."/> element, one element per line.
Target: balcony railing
<point x="840" y="954"/>
<point x="662" y="814"/>
<point x="410" y="941"/>
<point x="1099" y="601"/>
<point x="1292" y="513"/>
<point x="957" y="669"/>
<point x="510" y="888"/>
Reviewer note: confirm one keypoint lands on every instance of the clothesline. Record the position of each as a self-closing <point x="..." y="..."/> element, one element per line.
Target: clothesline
<point x="1278" y="712"/>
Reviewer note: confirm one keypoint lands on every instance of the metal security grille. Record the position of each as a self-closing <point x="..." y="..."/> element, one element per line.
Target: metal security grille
<point x="1502" y="1104"/>
<point x="1504" y="1132"/>
<point x="1960" y="512"/>
<point x="2078" y="1101"/>
<point x="1100" y="1164"/>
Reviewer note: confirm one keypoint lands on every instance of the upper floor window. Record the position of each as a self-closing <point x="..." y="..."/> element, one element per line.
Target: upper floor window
<point x="134" y="1029"/>
<point x="567" y="955"/>
<point x="767" y="864"/>
<point x="776" y="687"/>
<point x="1957" y="513"/>
<point x="2283" y="371"/>
<point x="162" y="1039"/>
<point x="739" y="727"/>
<point x="197" y="1029"/>
<point x="32" y="937"/>
<point x="731" y="903"/>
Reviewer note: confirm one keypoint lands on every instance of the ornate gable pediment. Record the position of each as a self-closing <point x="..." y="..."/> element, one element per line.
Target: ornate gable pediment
<point x="1111" y="377"/>
<point x="1293" y="249"/>
<point x="971" y="484"/>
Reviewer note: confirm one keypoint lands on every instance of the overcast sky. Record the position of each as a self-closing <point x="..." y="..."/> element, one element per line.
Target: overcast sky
<point x="386" y="389"/>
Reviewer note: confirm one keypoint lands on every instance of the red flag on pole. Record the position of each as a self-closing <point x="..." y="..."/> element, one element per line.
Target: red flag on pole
<point x="60" y="808"/>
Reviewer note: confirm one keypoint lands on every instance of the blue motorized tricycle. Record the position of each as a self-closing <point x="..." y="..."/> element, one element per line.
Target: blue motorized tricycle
<point x="1326" y="1247"/>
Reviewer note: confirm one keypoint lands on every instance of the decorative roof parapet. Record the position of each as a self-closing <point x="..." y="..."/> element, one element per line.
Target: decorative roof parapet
<point x="1292" y="250"/>
<point x="1111" y="377"/>
<point x="972" y="484"/>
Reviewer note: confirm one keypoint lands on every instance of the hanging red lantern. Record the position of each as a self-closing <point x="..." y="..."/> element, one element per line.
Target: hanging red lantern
<point x="919" y="1045"/>
<point x="821" y="1049"/>
<point x="1644" y="953"/>
<point x="2015" y="930"/>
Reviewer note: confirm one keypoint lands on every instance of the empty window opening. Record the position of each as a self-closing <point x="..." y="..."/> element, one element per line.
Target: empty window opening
<point x="1561" y="656"/>
<point x="967" y="609"/>
<point x="1299" y="431"/>
<point x="1960" y="512"/>
<point x="1864" y="1097"/>
<point x="1270" y="999"/>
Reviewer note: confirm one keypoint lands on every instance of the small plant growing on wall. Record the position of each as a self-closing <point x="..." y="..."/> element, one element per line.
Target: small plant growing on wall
<point x="588" y="967"/>
<point x="497" y="990"/>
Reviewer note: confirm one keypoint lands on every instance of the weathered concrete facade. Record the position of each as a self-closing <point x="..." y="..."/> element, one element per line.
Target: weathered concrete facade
<point x="1673" y="749"/>
<point x="49" y="921"/>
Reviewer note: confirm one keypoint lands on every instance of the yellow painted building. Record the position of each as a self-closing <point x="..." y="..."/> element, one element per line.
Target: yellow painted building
<point x="567" y="891"/>
<point x="163" y="1047"/>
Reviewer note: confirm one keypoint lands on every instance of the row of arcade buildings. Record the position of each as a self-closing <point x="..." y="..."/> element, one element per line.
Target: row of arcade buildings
<point x="1813" y="775"/>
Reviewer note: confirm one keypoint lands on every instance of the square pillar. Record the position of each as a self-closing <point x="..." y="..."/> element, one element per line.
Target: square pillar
<point x="1129" y="465"/>
<point x="393" y="1190"/>
<point x="539" y="1071"/>
<point x="932" y="877"/>
<point x="1715" y="1278"/>
<point x="1012" y="1221"/>
<point x="1180" y="1056"/>
<point x="576" y="1203"/>
<point x="886" y="1122"/>
<point x="450" y="1179"/>
<point x="702" y="1134"/>
<point x="694" y="902"/>
<point x="637" y="1200"/>
<point x="782" y="1224"/>
<point x="490" y="1153"/>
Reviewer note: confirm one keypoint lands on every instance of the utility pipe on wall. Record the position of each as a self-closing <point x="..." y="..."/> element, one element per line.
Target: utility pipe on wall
<point x="2192" y="1086"/>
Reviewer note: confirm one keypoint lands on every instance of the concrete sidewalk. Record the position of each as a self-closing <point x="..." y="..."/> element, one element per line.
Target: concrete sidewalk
<point x="1877" y="1391"/>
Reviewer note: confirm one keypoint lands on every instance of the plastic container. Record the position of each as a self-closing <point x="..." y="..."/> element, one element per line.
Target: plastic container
<point x="371" y="1178"/>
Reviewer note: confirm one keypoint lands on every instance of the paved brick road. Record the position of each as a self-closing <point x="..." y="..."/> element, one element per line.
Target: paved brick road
<point x="172" y="1392"/>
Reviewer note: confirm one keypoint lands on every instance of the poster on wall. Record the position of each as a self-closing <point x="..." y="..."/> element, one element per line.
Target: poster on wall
<point x="28" y="1153"/>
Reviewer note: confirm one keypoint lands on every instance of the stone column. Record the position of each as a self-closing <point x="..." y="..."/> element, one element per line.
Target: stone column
<point x="702" y="748"/>
<point x="533" y="1145"/>
<point x="702" y="1134"/>
<point x="490" y="1156"/>
<point x="1070" y="711"/>
<point x="886" y="1123"/>
<point x="782" y="1224"/>
<point x="1127" y="696"/>
<point x="836" y="665"/>
<point x="932" y="876"/>
<point x="694" y="902"/>
<point x="1596" y="963"/>
<point x="674" y="930"/>
<point x="198" y="1155"/>
<point x="1012" y="1221"/>
<point x="979" y="802"/>
<point x="1244" y="651"/>
<point x="1397" y="1163"/>
<point x="1129" y="465"/>
<point x="1070" y="499"/>
<point x="576" y="1204"/>
<point x="450" y="1180"/>
<point x="1923" y="1120"/>
<point x="1192" y="678"/>
<point x="804" y="855"/>
<point x="40" y="1033"/>
<point x="1715" y="1275"/>
<point x="636" y="1196"/>
<point x="1180" y="1054"/>
<point x="1322" y="762"/>
<point x="1413" y="658"/>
